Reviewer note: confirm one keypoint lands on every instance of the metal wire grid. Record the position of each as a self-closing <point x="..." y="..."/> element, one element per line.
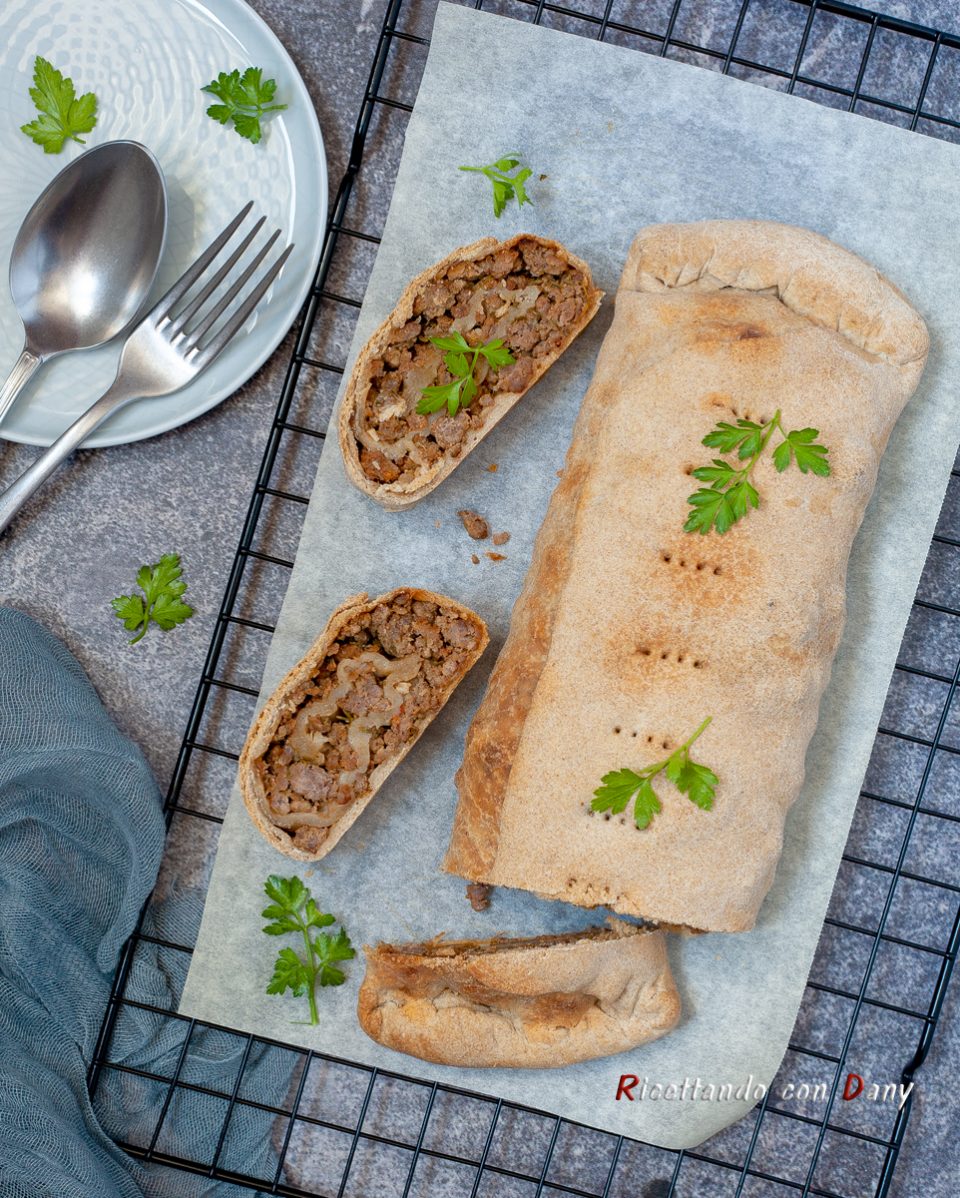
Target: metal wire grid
<point x="776" y="1150"/>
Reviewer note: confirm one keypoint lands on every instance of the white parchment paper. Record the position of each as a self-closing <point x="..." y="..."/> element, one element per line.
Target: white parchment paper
<point x="625" y="140"/>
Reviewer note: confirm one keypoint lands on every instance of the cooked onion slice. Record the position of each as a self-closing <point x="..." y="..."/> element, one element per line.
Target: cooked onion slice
<point x="358" y="738"/>
<point x="306" y="744"/>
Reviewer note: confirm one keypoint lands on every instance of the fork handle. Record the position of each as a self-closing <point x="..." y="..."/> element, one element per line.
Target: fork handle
<point x="17" y="494"/>
<point x="23" y="370"/>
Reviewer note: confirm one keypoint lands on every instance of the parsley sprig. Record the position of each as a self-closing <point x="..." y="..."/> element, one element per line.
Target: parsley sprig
<point x="292" y="909"/>
<point x="731" y="494"/>
<point x="505" y="185"/>
<point x="244" y="99"/>
<point x="461" y="360"/>
<point x="63" y="114"/>
<point x="696" y="781"/>
<point x="162" y="603"/>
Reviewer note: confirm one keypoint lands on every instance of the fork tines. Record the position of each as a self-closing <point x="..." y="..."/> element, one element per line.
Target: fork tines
<point x="191" y="326"/>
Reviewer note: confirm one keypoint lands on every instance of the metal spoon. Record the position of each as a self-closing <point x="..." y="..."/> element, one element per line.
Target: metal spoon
<point x="86" y="255"/>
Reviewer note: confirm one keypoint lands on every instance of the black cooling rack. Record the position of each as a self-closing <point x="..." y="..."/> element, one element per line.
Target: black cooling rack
<point x="878" y="983"/>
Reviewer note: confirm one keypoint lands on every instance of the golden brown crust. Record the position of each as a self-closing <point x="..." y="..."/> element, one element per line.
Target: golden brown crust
<point x="713" y="320"/>
<point x="395" y="496"/>
<point x="262" y="732"/>
<point x="535" y="1003"/>
<point x="495" y="732"/>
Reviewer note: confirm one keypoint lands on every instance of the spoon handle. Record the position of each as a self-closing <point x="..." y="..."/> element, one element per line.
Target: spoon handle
<point x="17" y="494"/>
<point x="17" y="379"/>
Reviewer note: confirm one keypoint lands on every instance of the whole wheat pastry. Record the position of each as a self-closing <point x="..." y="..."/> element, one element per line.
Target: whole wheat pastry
<point x="629" y="631"/>
<point x="536" y="1004"/>
<point x="530" y="292"/>
<point x="346" y="715"/>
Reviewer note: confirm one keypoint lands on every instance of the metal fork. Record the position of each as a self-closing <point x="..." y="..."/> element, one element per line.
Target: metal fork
<point x="174" y="342"/>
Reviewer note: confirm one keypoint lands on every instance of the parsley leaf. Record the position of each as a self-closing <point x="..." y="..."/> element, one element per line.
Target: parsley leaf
<point x="711" y="507"/>
<point x="293" y="909"/>
<point x="289" y="973"/>
<point x="617" y="790"/>
<point x="462" y="389"/>
<point x="505" y="186"/>
<point x="800" y="445"/>
<point x="730" y="493"/>
<point x="330" y="949"/>
<point x="696" y="781"/>
<point x="615" y="793"/>
<point x="63" y="114"/>
<point x="743" y="437"/>
<point x="244" y="100"/>
<point x="162" y="603"/>
<point x="130" y="609"/>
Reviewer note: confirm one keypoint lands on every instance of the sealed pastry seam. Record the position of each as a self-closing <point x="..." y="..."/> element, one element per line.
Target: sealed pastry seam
<point x="742" y="627"/>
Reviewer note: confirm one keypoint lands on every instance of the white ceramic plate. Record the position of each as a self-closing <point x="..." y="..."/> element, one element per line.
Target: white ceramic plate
<point x="146" y="60"/>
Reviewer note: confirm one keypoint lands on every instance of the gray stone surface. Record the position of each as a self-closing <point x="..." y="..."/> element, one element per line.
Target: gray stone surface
<point x="82" y="540"/>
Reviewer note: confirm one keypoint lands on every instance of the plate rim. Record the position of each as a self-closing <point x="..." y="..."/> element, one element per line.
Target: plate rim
<point x="221" y="10"/>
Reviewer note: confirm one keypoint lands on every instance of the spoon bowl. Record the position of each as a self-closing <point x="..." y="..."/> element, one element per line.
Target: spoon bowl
<point x="86" y="255"/>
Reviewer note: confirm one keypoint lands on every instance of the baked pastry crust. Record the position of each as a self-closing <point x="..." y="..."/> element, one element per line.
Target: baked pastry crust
<point x="629" y="632"/>
<point x="281" y="704"/>
<point x="398" y="495"/>
<point x="535" y="1004"/>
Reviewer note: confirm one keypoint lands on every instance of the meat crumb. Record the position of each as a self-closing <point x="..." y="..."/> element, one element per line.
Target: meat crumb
<point x="479" y="895"/>
<point x="497" y="557"/>
<point x="475" y="524"/>
<point x="559" y="474"/>
<point x="474" y="559"/>
<point x="492" y="468"/>
<point x="500" y="538"/>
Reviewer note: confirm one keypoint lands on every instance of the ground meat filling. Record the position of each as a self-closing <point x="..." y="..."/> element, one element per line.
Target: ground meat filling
<point x="389" y="669"/>
<point x="528" y="295"/>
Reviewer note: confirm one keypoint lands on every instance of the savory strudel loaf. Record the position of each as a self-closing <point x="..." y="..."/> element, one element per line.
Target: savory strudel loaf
<point x="528" y="295"/>
<point x="630" y="631"/>
<point x="346" y="715"/>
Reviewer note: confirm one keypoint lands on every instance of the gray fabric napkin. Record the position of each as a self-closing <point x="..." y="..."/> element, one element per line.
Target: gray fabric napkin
<point x="80" y="840"/>
<point x="81" y="837"/>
